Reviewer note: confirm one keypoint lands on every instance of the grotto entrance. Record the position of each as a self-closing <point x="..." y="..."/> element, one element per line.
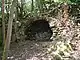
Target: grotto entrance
<point x="38" y="30"/>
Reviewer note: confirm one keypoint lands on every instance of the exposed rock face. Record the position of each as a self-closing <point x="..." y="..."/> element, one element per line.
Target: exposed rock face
<point x="39" y="30"/>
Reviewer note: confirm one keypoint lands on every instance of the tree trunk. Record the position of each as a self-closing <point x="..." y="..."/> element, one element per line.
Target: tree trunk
<point x="9" y="32"/>
<point x="16" y="18"/>
<point x="38" y="5"/>
<point x="65" y="15"/>
<point x="21" y="9"/>
<point x="32" y="6"/>
<point x="41" y="5"/>
<point x="3" y="22"/>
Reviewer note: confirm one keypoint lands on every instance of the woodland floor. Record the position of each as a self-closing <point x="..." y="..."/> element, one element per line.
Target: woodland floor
<point x="36" y="50"/>
<point x="29" y="50"/>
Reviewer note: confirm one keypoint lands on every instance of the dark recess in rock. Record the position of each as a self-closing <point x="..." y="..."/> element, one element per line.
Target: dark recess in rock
<point x="38" y="30"/>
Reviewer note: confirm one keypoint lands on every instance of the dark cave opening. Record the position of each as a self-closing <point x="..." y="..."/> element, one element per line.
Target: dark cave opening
<point x="38" y="30"/>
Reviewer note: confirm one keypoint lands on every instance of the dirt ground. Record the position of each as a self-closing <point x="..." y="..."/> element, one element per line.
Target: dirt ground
<point x="28" y="50"/>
